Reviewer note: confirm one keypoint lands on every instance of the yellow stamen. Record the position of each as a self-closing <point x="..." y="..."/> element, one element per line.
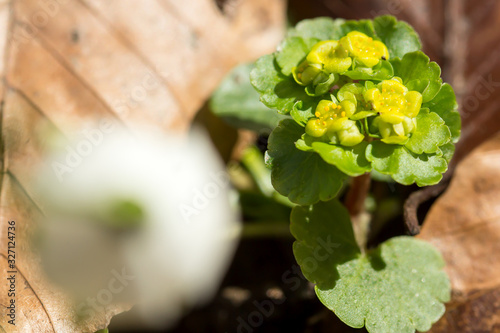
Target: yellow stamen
<point x="317" y="114"/>
<point x="342" y="114"/>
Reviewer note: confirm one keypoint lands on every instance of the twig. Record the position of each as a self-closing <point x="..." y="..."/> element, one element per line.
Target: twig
<point x="355" y="198"/>
<point x="355" y="204"/>
<point x="415" y="200"/>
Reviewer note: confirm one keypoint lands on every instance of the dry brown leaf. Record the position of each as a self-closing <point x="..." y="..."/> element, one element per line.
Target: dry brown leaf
<point x="66" y="63"/>
<point x="464" y="224"/>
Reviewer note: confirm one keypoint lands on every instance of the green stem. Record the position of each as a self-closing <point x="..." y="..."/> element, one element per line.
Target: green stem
<point x="253" y="161"/>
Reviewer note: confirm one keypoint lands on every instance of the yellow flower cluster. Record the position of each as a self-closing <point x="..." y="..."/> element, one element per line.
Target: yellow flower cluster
<point x="394" y="107"/>
<point x="389" y="107"/>
<point x="397" y="108"/>
<point x="335" y="57"/>
<point x="333" y="120"/>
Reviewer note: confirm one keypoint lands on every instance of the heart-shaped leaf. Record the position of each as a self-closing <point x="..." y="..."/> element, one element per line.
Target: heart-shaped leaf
<point x="398" y="287"/>
<point x="419" y="74"/>
<point x="399" y="37"/>
<point x="445" y="105"/>
<point x="237" y="102"/>
<point x="431" y="133"/>
<point x="404" y="166"/>
<point x="277" y="91"/>
<point x="350" y="160"/>
<point x="304" y="177"/>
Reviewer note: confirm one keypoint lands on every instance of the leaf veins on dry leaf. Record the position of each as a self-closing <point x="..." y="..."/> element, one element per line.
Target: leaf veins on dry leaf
<point x="464" y="224"/>
<point x="68" y="63"/>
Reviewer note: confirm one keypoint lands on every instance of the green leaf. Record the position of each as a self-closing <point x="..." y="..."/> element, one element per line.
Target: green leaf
<point x="419" y="74"/>
<point x="324" y="226"/>
<point x="301" y="176"/>
<point x="323" y="87"/>
<point x="384" y="71"/>
<point x="302" y="111"/>
<point x="404" y="166"/>
<point x="306" y="141"/>
<point x="303" y="145"/>
<point x="445" y="105"/>
<point x="322" y="28"/>
<point x="398" y="287"/>
<point x="380" y="177"/>
<point x="349" y="160"/>
<point x="398" y="36"/>
<point x="277" y="90"/>
<point x="237" y="102"/>
<point x="362" y="115"/>
<point x="431" y="133"/>
<point x="364" y="26"/>
<point x="292" y="51"/>
<point x="447" y="150"/>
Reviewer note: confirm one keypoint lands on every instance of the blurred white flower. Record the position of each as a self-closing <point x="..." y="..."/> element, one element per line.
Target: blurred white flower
<point x="144" y="218"/>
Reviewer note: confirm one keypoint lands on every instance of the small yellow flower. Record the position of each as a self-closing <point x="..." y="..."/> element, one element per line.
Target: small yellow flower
<point x="392" y="100"/>
<point x="364" y="48"/>
<point x="326" y="57"/>
<point x="305" y="73"/>
<point x="397" y="108"/>
<point x="333" y="120"/>
<point x="331" y="55"/>
<point x="396" y="133"/>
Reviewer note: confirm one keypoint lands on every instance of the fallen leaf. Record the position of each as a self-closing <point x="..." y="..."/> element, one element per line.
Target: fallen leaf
<point x="464" y="224"/>
<point x="67" y="64"/>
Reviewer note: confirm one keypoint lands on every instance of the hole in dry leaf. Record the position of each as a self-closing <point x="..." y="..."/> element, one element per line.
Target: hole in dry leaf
<point x="226" y="7"/>
<point x="221" y="4"/>
<point x="75" y="36"/>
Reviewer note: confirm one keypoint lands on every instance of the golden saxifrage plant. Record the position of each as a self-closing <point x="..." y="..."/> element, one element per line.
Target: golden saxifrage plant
<point x="356" y="97"/>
